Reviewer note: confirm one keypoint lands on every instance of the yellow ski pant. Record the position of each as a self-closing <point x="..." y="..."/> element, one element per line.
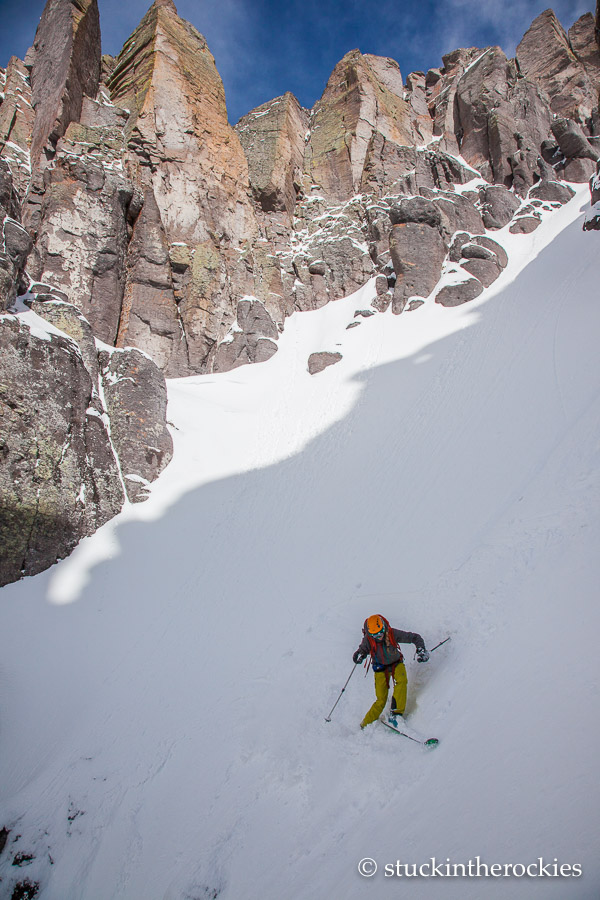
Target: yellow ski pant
<point x="381" y="693"/>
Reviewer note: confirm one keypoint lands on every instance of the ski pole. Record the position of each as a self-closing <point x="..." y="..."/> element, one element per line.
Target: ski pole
<point x="439" y="645"/>
<point x="328" y="718"/>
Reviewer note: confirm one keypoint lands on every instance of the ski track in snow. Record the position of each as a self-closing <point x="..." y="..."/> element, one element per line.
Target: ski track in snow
<point x="163" y="690"/>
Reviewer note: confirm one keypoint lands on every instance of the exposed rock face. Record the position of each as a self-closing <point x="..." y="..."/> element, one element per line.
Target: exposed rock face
<point x="136" y="401"/>
<point x="82" y="225"/>
<point x="545" y="55"/>
<point x="363" y="97"/>
<point x="592" y="219"/>
<point x="498" y="250"/>
<point x="70" y="426"/>
<point x="16" y="123"/>
<point x="65" y="61"/>
<point x="416" y="96"/>
<point x="486" y="269"/>
<point x="479" y="256"/>
<point x="417" y="249"/>
<point x="571" y="140"/>
<point x="580" y="154"/>
<point x="251" y="339"/>
<point x="272" y="136"/>
<point x="329" y="254"/>
<point x="503" y="119"/>
<point x="149" y="314"/>
<point x="155" y="220"/>
<point x="157" y="225"/>
<point x="479" y="89"/>
<point x="68" y="319"/>
<point x="498" y="206"/>
<point x="524" y="225"/>
<point x="458" y="212"/>
<point x="9" y="202"/>
<point x="15" y="243"/>
<point x="552" y="191"/>
<point x="393" y="169"/>
<point x="166" y="75"/>
<point x="59" y="478"/>
<point x="181" y="146"/>
<point x="416" y="210"/>
<point x="441" y="86"/>
<point x="582" y="39"/>
<point x="457" y="294"/>
<point x="319" y="361"/>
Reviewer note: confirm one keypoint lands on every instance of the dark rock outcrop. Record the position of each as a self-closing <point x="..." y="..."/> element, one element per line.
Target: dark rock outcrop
<point x="485" y="270"/>
<point x="68" y="319"/>
<point x="69" y="432"/>
<point x="441" y="86"/>
<point x="149" y="315"/>
<point x="181" y="146"/>
<point x="592" y="218"/>
<point x="417" y="249"/>
<point x="81" y="221"/>
<point x="458" y="212"/>
<point x="552" y="192"/>
<point x="169" y="279"/>
<point x="479" y="89"/>
<point x="498" y="206"/>
<point x="330" y="254"/>
<point x="524" y="225"/>
<point x="59" y="478"/>
<point x="417" y="211"/>
<point x="497" y="249"/>
<point x="16" y="123"/>
<point x="136" y="401"/>
<point x="363" y="97"/>
<point x="251" y="339"/>
<point x="546" y="56"/>
<point x="273" y="138"/>
<point x="502" y="119"/>
<point x="65" y="67"/>
<point x="479" y="246"/>
<point x="321" y="360"/>
<point x="457" y="294"/>
<point x="582" y="40"/>
<point x="390" y="168"/>
<point x="479" y="256"/>
<point x="156" y="224"/>
<point x="580" y="153"/>
<point x="15" y="243"/>
<point x="571" y="140"/>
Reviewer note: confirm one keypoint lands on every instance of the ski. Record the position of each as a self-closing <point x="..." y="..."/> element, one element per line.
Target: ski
<point x="425" y="742"/>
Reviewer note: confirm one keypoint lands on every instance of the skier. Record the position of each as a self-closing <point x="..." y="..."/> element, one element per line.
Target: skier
<point x="381" y="640"/>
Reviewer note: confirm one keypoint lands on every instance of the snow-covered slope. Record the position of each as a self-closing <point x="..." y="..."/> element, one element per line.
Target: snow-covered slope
<point x="163" y="691"/>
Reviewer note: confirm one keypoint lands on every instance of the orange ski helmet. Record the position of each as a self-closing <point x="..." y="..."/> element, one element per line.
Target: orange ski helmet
<point x="375" y="625"/>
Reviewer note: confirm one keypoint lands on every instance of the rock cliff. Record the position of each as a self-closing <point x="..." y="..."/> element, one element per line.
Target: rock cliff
<point x="65" y="67"/>
<point x="135" y="215"/>
<point x="188" y="162"/>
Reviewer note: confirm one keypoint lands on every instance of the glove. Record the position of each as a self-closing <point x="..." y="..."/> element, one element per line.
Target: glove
<point x="422" y="654"/>
<point x="358" y="657"/>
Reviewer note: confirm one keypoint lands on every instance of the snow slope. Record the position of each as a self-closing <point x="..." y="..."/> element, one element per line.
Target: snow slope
<point x="163" y="691"/>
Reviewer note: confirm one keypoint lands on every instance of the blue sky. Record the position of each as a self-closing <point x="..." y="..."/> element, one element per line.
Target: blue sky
<point x="264" y="47"/>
